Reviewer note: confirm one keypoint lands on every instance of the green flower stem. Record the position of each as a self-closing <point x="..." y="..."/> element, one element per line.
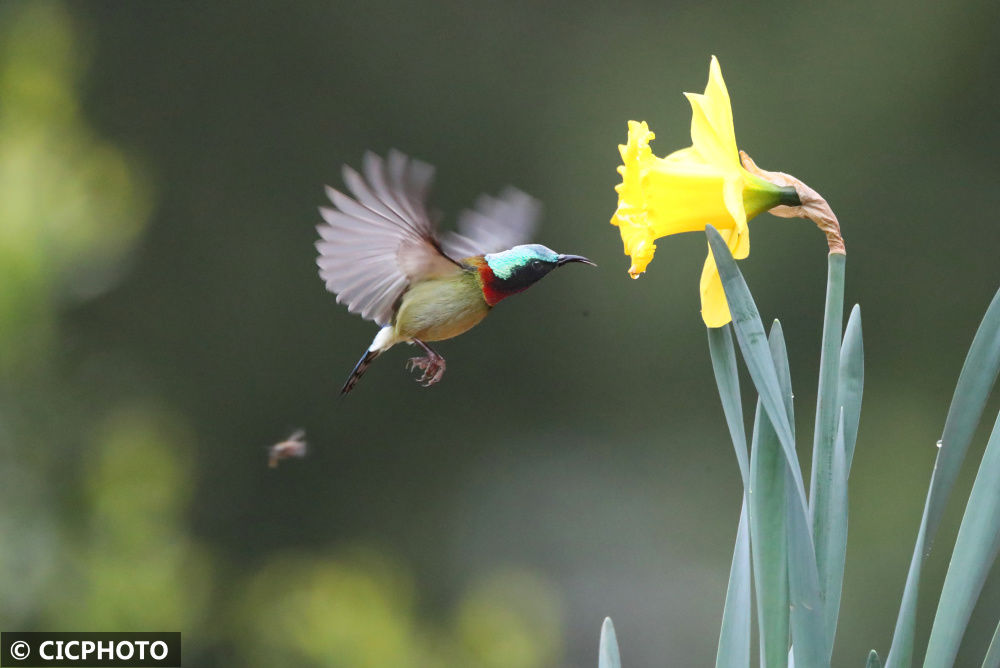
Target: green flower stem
<point x="821" y="478"/>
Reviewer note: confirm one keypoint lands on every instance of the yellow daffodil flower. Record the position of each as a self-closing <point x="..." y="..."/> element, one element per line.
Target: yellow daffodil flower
<point x="691" y="188"/>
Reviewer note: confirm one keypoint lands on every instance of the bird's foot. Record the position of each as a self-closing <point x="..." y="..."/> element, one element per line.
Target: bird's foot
<point x="433" y="366"/>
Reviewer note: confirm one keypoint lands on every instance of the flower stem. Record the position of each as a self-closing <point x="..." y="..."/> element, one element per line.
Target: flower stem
<point x="821" y="479"/>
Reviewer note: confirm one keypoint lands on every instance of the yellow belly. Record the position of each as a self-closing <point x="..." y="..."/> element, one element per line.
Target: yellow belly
<point x="441" y="308"/>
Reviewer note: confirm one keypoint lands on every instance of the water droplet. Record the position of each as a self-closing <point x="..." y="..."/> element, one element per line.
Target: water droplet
<point x="939" y="443"/>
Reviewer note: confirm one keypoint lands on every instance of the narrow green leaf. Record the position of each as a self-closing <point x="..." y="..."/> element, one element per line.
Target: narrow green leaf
<point x="753" y="344"/>
<point x="720" y="345"/>
<point x="779" y="353"/>
<point x="821" y="476"/>
<point x="734" y="639"/>
<point x="836" y="542"/>
<point x="901" y="651"/>
<point x="873" y="660"/>
<point x="768" y="536"/>
<point x="975" y="551"/>
<point x="852" y="380"/>
<point x="806" y="605"/>
<point x="608" y="656"/>
<point x="992" y="659"/>
<point x="808" y="632"/>
<point x="979" y="373"/>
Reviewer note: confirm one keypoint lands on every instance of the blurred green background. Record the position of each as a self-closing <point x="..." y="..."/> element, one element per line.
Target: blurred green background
<point x="161" y="321"/>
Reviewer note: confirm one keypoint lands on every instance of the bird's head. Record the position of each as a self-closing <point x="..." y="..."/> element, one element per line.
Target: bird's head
<point x="514" y="270"/>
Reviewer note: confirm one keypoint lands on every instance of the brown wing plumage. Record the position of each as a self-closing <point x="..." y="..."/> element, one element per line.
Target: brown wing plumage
<point x="494" y="224"/>
<point x="375" y="244"/>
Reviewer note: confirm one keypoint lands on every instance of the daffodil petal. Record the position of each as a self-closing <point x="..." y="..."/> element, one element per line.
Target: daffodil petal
<point x="688" y="155"/>
<point x="717" y="95"/>
<point x="714" y="307"/>
<point x="712" y="133"/>
<point x="733" y="196"/>
<point x="713" y="148"/>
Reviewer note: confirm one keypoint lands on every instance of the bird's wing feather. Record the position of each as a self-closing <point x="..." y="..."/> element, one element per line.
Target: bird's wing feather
<point x="375" y="244"/>
<point x="495" y="224"/>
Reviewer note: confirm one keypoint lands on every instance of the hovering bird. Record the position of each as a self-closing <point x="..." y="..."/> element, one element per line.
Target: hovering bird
<point x="380" y="254"/>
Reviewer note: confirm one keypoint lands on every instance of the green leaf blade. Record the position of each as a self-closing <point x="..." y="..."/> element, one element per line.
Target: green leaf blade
<point x="851" y="381"/>
<point x="975" y="382"/>
<point x="808" y="632"/>
<point x="768" y="534"/>
<point x="901" y="650"/>
<point x="975" y="551"/>
<point x="992" y="659"/>
<point x="608" y="655"/>
<point x="806" y="605"/>
<point x="836" y="528"/>
<point x="756" y="354"/>
<point x="723" y="353"/>
<point x="734" y="639"/>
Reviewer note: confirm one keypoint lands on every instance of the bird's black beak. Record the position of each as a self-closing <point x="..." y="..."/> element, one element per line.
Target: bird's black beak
<point x="564" y="259"/>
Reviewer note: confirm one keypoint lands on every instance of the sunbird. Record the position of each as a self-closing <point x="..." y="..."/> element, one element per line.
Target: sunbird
<point x="380" y="253"/>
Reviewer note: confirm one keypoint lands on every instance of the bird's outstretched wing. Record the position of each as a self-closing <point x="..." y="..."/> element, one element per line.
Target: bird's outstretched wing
<point x="377" y="243"/>
<point x="495" y="224"/>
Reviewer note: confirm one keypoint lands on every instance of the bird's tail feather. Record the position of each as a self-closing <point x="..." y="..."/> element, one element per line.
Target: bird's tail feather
<point x="359" y="370"/>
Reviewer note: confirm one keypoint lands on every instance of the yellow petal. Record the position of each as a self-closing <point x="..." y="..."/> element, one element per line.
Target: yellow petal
<point x="642" y="254"/>
<point x="712" y="132"/>
<point x="714" y="307"/>
<point x="722" y="109"/>
<point x="734" y="204"/>
<point x="690" y="156"/>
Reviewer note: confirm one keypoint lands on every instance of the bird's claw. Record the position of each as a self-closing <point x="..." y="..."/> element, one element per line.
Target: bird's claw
<point x="433" y="368"/>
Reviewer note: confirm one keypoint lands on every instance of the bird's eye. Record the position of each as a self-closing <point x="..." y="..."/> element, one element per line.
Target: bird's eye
<point x="536" y="264"/>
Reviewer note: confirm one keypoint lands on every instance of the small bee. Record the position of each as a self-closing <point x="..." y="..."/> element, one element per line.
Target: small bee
<point x="294" y="446"/>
